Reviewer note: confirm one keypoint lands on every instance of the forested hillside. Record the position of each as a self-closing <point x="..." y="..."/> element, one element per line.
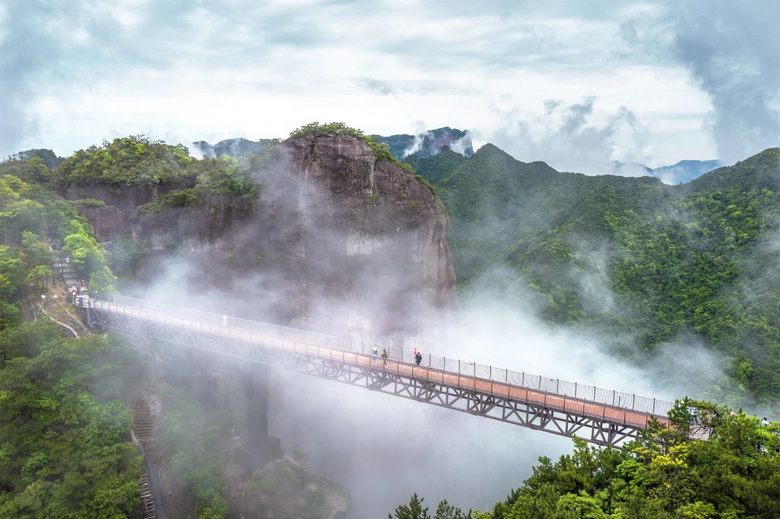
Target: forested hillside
<point x="606" y="255"/>
<point x="65" y="448"/>
<point x="735" y="473"/>
<point x="614" y="254"/>
<point x="65" y="418"/>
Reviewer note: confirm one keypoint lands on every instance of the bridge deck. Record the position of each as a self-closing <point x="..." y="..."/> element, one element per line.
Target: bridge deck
<point x="309" y="352"/>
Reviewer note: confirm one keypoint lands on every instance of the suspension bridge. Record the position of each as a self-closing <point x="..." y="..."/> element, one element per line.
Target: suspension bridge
<point x="600" y="416"/>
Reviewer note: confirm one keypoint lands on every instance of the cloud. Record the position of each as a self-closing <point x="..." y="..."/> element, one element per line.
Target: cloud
<point x="49" y="48"/>
<point x="385" y="448"/>
<point x="574" y="137"/>
<point x="68" y="69"/>
<point x="732" y="52"/>
<point x="379" y="86"/>
<point x="23" y="50"/>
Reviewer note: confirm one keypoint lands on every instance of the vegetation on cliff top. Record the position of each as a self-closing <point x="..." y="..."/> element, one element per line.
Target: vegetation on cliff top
<point x="139" y="162"/>
<point x="127" y="161"/>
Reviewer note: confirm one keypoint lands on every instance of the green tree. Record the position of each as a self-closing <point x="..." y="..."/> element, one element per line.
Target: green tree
<point x="103" y="282"/>
<point x="64" y="450"/>
<point x="447" y="511"/>
<point x="414" y="510"/>
<point x="86" y="255"/>
<point x="35" y="250"/>
<point x="733" y="473"/>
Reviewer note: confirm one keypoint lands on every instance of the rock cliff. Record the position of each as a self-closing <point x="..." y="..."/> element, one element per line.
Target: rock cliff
<point x="337" y="239"/>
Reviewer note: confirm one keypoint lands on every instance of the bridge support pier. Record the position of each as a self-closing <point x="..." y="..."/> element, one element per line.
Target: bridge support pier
<point x="259" y="448"/>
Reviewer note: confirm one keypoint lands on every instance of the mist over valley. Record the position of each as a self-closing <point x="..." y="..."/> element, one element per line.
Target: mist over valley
<point x="534" y="273"/>
<point x="606" y="281"/>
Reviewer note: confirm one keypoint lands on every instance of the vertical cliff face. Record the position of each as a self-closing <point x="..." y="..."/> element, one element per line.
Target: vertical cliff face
<point x="337" y="240"/>
<point x="364" y="234"/>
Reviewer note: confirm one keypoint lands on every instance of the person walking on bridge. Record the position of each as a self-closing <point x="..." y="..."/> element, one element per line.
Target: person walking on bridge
<point x="384" y="357"/>
<point x="417" y="358"/>
<point x="374" y="354"/>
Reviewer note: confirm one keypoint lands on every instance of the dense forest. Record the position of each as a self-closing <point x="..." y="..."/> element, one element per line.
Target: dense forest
<point x="65" y="418"/>
<point x="636" y="261"/>
<point x="662" y="474"/>
<point x="65" y="448"/>
<point x="697" y="260"/>
<point x="66" y="414"/>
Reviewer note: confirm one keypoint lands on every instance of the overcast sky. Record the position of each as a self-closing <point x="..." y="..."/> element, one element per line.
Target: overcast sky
<point x="576" y="84"/>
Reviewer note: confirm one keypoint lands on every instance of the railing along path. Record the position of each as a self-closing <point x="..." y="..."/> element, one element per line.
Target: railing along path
<point x="571" y="398"/>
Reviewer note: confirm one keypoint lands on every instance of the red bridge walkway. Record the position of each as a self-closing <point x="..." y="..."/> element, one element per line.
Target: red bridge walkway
<point x="601" y="416"/>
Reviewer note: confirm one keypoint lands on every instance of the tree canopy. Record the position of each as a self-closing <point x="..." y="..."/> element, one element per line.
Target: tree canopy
<point x="65" y="449"/>
<point x="734" y="473"/>
<point x="632" y="259"/>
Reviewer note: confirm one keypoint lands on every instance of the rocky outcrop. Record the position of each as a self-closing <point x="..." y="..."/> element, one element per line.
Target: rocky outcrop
<point x="126" y="198"/>
<point x="105" y="220"/>
<point x="367" y="232"/>
<point x="337" y="240"/>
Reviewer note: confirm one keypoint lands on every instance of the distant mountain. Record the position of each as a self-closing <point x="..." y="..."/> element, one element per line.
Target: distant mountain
<point x="685" y="171"/>
<point x="428" y="143"/>
<point x="436" y="167"/>
<point x="680" y="173"/>
<point x="402" y="147"/>
<point x="233" y="147"/>
<point x="47" y="156"/>
<point x="499" y="205"/>
<point x="630" y="169"/>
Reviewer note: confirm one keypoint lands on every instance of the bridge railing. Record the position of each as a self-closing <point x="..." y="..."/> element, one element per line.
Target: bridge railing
<point x="333" y="341"/>
<point x="178" y="311"/>
<point x="554" y="386"/>
<point x="432" y="363"/>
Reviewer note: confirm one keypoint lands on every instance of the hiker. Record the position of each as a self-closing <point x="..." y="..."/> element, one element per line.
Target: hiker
<point x="384" y="357"/>
<point x="374" y="354"/>
<point x="417" y="358"/>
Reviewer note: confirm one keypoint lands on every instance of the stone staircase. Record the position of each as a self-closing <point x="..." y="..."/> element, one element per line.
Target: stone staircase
<point x="67" y="274"/>
<point x="143" y="437"/>
<point x="143" y="427"/>
<point x="147" y="499"/>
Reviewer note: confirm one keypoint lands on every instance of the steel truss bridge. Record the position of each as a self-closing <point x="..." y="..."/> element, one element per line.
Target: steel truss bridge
<point x="600" y="416"/>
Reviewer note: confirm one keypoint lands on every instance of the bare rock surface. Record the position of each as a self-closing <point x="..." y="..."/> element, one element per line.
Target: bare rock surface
<point x="337" y="239"/>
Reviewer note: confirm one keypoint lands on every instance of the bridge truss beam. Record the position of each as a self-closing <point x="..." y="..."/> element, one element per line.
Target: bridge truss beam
<point x="376" y="377"/>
